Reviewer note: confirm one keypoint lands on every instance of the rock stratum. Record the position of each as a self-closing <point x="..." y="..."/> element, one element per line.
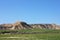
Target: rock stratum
<point x="23" y="25"/>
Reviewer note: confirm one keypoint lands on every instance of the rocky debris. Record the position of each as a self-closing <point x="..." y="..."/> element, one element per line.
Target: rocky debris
<point x="23" y="25"/>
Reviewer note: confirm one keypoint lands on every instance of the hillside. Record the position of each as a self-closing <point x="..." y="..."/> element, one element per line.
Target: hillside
<point x="23" y="25"/>
<point x="46" y="26"/>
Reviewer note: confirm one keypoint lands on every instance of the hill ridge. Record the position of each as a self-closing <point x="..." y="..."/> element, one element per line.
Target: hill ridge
<point x="23" y="25"/>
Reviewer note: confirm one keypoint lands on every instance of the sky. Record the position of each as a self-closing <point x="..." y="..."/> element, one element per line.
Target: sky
<point x="30" y="11"/>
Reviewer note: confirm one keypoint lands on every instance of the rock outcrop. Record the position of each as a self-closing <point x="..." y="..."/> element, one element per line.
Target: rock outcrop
<point x="17" y="25"/>
<point x="46" y="26"/>
<point x="22" y="25"/>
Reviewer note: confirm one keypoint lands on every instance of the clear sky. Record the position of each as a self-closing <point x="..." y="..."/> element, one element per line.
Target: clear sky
<point x="30" y="11"/>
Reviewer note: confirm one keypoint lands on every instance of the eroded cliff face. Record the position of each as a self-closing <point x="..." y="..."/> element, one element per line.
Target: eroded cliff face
<point x="23" y="25"/>
<point x="15" y="26"/>
<point x="46" y="26"/>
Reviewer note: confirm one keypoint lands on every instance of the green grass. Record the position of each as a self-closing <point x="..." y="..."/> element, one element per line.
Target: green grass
<point x="32" y="30"/>
<point x="49" y="35"/>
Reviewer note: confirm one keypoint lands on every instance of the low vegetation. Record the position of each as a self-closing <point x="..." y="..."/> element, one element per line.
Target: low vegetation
<point x="30" y="34"/>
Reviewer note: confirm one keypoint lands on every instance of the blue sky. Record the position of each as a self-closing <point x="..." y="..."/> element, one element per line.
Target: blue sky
<point x="30" y="11"/>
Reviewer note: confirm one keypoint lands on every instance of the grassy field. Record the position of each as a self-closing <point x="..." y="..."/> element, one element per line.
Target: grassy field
<point x="44" y="34"/>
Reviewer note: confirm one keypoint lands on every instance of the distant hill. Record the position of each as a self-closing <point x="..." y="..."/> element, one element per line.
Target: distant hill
<point x="23" y="25"/>
<point x="46" y="26"/>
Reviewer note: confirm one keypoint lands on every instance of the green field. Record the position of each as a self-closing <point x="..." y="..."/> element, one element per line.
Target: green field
<point x="44" y="34"/>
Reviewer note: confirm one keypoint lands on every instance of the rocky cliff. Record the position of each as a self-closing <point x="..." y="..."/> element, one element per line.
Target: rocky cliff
<point x="23" y="25"/>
